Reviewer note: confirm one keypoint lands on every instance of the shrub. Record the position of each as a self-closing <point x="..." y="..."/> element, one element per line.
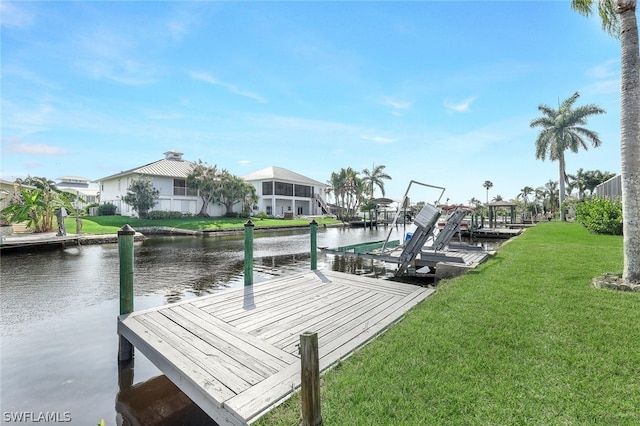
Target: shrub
<point x="600" y="215"/>
<point x="261" y="215"/>
<point x="162" y="215"/>
<point x="107" y="209"/>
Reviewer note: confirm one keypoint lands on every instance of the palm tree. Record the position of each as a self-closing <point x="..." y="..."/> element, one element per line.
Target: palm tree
<point x="619" y="19"/>
<point x="580" y="182"/>
<point x="550" y="192"/>
<point x="375" y="177"/>
<point x="563" y="129"/>
<point x="338" y="183"/>
<point x="487" y="184"/>
<point x="524" y="194"/>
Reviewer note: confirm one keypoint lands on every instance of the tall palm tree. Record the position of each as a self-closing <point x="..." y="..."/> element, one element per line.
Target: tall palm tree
<point x="619" y="19"/>
<point x="563" y="129"/>
<point x="375" y="177"/>
<point x="487" y="184"/>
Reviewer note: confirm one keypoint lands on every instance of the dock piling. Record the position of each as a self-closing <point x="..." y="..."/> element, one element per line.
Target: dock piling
<point x="125" y="251"/>
<point x="314" y="244"/>
<point x="248" y="252"/>
<point x="310" y="379"/>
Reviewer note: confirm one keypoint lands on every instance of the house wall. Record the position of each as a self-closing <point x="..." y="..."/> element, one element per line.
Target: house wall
<point x="277" y="205"/>
<point x="611" y="189"/>
<point x="113" y="190"/>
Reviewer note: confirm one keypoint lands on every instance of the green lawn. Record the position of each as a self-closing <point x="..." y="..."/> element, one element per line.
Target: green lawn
<point x="522" y="340"/>
<point x="111" y="224"/>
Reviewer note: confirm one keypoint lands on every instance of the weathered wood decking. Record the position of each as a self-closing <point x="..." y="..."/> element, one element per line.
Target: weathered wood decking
<point x="235" y="353"/>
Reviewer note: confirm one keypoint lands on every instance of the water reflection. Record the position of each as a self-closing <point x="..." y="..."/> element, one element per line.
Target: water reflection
<point x="58" y="315"/>
<point x="155" y="402"/>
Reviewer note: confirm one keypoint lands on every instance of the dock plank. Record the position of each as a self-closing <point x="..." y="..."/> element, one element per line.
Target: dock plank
<point x="234" y="353"/>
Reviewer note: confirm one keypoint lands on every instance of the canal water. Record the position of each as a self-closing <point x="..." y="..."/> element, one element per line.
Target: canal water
<point x="58" y="310"/>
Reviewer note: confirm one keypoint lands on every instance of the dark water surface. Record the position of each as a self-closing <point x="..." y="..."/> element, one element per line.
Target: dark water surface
<point x="58" y="320"/>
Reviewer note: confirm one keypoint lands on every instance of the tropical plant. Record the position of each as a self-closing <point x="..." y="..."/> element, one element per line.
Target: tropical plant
<point x="549" y="194"/>
<point x="563" y="129"/>
<point x="107" y="209"/>
<point x="600" y="215"/>
<point x="206" y="181"/>
<point x="349" y="190"/>
<point x="487" y="184"/>
<point x="375" y="177"/>
<point x="37" y="204"/>
<point x="233" y="190"/>
<point x="619" y="19"/>
<point x="596" y="177"/>
<point x="524" y="195"/>
<point x="580" y="182"/>
<point x="141" y="195"/>
<point x="30" y="208"/>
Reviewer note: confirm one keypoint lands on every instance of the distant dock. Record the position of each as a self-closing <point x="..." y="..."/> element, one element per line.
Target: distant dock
<point x="50" y="240"/>
<point x="235" y="353"/>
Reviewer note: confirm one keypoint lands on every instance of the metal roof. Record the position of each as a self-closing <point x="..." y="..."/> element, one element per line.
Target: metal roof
<point x="164" y="167"/>
<point x="281" y="174"/>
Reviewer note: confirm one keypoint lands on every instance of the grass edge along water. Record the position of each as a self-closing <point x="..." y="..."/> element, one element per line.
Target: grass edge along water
<point x="523" y="339"/>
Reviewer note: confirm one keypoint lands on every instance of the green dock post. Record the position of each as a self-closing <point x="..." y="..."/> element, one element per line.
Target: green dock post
<point x="314" y="244"/>
<point x="248" y="253"/>
<point x="125" y="250"/>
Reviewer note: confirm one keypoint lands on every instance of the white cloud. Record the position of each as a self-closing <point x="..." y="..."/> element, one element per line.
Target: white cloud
<point x="244" y="162"/>
<point x="606" y="70"/>
<point x="397" y="106"/>
<point x="378" y="139"/>
<point x="13" y="16"/>
<point x="208" y="78"/>
<point x="33" y="148"/>
<point x="463" y="106"/>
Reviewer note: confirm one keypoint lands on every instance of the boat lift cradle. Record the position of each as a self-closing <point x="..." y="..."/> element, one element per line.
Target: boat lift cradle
<point x="425" y="222"/>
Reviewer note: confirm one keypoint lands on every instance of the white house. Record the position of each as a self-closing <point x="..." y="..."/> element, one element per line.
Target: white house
<point x="78" y="186"/>
<point x="282" y="193"/>
<point x="169" y="176"/>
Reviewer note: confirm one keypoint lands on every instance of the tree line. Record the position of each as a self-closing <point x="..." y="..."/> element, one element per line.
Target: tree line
<point x="353" y="190"/>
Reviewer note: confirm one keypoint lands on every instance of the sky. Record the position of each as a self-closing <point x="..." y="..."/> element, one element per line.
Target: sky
<point x="438" y="92"/>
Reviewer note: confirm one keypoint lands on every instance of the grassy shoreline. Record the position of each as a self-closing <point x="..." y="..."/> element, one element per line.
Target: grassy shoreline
<point x="523" y="339"/>
<point x="111" y="224"/>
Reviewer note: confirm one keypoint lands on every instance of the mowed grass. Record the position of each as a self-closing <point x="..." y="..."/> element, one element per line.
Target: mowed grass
<point x="522" y="340"/>
<point x="111" y="224"/>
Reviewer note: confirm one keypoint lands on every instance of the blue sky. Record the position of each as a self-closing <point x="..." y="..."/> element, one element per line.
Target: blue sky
<point x="438" y="92"/>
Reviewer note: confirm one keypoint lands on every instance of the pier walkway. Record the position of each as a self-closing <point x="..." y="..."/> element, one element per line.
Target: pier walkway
<point x="235" y="353"/>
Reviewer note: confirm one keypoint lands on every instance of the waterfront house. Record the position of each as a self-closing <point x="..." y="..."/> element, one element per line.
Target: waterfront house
<point x="283" y="193"/>
<point x="169" y="176"/>
<point x="79" y="186"/>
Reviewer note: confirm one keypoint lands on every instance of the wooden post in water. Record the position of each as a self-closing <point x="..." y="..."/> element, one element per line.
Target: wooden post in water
<point x="248" y="252"/>
<point x="125" y="250"/>
<point x="310" y="379"/>
<point x="314" y="244"/>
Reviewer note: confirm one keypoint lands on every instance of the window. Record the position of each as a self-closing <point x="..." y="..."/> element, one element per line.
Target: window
<point x="304" y="191"/>
<point x="284" y="189"/>
<point x="180" y="188"/>
<point x="267" y="188"/>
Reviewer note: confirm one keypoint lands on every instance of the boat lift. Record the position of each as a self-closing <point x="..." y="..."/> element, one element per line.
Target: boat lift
<point x="426" y="224"/>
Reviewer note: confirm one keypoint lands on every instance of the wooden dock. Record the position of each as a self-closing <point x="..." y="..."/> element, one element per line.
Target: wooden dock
<point x="235" y="353"/>
<point x="45" y="240"/>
